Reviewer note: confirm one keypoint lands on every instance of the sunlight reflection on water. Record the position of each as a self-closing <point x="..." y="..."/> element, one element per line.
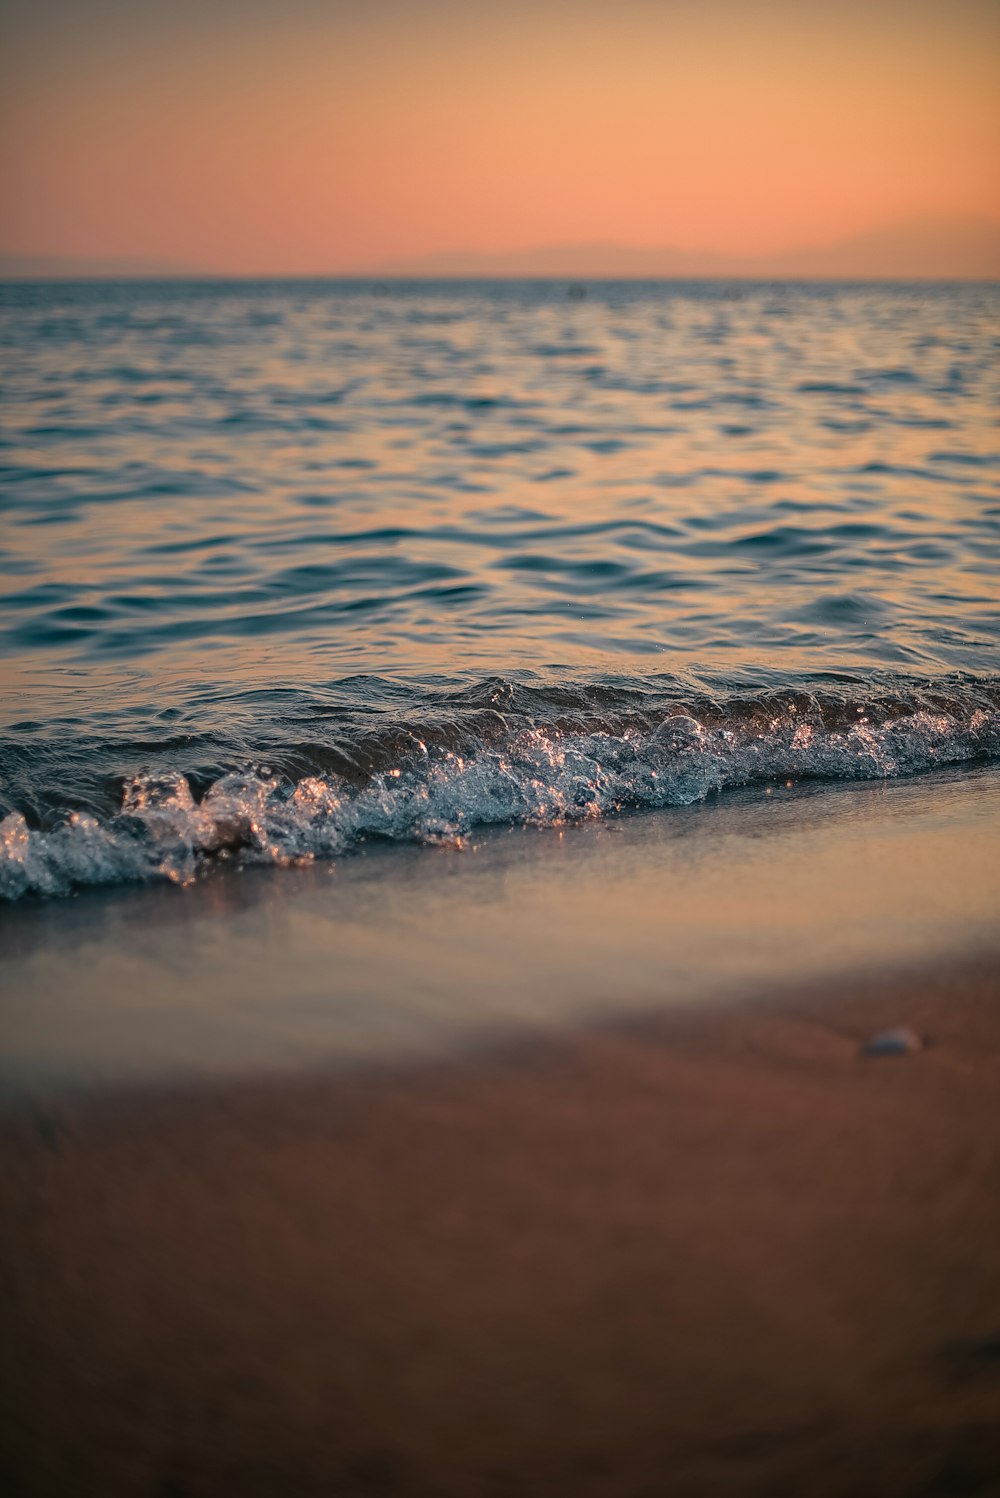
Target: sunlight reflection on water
<point x="302" y="528"/>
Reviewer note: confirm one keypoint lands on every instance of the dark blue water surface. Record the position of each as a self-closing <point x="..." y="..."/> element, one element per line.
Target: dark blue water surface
<point x="291" y="566"/>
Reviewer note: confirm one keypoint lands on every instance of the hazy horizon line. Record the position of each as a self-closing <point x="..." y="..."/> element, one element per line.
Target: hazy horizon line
<point x="941" y="248"/>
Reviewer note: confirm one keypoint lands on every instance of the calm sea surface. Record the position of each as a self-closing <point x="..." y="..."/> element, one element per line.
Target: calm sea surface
<point x="287" y="567"/>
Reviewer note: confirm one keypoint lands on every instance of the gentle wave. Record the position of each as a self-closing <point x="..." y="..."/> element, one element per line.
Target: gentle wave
<point x="498" y="753"/>
<point x="290" y="567"/>
<point x="414" y="477"/>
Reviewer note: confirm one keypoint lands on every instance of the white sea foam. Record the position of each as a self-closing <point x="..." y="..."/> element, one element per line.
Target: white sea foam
<point x="535" y="776"/>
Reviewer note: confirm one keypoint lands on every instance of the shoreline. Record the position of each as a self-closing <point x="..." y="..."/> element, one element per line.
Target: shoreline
<point x="707" y="1251"/>
<point x="403" y="954"/>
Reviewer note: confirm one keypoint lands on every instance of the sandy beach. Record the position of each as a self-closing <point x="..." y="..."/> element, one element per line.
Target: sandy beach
<point x="499" y="729"/>
<point x="499" y="712"/>
<point x="717" y="1251"/>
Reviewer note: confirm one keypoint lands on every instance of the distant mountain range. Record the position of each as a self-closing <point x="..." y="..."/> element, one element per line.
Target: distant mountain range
<point x="926" y="249"/>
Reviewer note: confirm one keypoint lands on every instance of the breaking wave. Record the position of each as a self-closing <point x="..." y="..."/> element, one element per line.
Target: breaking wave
<point x="498" y="753"/>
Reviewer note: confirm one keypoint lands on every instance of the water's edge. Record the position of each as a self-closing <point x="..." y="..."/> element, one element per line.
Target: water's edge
<point x="496" y="753"/>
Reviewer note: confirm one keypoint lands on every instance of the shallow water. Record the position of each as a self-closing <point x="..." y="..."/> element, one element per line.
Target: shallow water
<point x="414" y="952"/>
<point x="291" y="567"/>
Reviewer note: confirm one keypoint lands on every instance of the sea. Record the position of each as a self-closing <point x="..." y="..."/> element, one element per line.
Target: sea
<point x="295" y="569"/>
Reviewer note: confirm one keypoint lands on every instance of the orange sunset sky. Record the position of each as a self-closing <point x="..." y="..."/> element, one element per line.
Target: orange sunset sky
<point x="246" y="137"/>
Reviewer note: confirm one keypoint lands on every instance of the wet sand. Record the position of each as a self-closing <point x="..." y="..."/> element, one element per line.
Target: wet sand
<point x="715" y="1251"/>
<point x="418" y="954"/>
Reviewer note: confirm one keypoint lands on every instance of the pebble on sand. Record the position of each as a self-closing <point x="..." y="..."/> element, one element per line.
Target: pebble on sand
<point x="897" y="1042"/>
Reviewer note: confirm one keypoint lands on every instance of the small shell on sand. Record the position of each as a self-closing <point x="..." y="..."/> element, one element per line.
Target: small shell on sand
<point x="896" y="1042"/>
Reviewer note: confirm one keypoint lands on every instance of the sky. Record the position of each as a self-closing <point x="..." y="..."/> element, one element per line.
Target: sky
<point x="324" y="136"/>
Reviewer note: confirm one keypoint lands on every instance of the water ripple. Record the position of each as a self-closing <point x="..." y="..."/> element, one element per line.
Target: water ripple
<point x="215" y="491"/>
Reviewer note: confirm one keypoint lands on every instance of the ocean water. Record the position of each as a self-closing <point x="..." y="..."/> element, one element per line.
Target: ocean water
<point x="289" y="568"/>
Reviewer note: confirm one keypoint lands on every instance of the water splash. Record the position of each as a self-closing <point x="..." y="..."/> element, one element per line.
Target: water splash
<point x="490" y="767"/>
